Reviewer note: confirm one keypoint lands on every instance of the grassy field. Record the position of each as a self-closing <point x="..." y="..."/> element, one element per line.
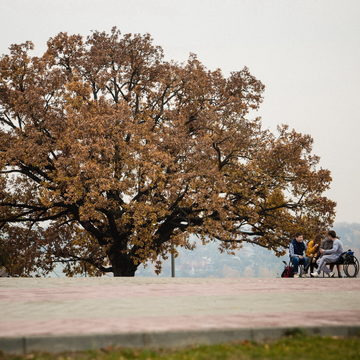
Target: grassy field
<point x="292" y="348"/>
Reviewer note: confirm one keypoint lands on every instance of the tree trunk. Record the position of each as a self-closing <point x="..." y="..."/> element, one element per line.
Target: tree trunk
<point x="122" y="264"/>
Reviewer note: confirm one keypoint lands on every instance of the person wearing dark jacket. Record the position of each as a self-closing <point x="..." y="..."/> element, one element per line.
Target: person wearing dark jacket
<point x="297" y="251"/>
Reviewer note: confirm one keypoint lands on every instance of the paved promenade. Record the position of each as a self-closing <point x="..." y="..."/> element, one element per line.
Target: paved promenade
<point x="90" y="312"/>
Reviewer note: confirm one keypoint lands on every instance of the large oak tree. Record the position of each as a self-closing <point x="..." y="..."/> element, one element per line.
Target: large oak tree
<point x="109" y="155"/>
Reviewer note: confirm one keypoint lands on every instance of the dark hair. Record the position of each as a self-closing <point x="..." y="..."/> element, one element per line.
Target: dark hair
<point x="298" y="234"/>
<point x="332" y="233"/>
<point x="318" y="239"/>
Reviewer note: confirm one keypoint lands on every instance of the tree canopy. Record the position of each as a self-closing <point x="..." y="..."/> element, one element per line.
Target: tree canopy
<point x="109" y="154"/>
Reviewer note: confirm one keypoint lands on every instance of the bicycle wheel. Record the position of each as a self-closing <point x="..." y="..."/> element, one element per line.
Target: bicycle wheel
<point x="352" y="269"/>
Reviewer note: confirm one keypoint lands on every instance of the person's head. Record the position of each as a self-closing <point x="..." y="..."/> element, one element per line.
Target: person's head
<point x="331" y="234"/>
<point x="318" y="239"/>
<point x="299" y="237"/>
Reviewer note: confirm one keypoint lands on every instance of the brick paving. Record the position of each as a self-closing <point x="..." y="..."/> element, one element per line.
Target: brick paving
<point x="85" y="306"/>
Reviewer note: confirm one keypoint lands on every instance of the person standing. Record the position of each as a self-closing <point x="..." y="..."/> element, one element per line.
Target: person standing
<point x="329" y="256"/>
<point x="297" y="250"/>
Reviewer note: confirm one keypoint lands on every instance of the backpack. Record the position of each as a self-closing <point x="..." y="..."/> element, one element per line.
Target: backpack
<point x="288" y="271"/>
<point x="346" y="257"/>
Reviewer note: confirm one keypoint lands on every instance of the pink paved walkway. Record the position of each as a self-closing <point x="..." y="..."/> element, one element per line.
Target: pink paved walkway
<point x="124" y="305"/>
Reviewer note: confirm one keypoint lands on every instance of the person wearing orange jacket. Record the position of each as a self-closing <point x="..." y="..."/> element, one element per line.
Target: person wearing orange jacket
<point x="312" y="251"/>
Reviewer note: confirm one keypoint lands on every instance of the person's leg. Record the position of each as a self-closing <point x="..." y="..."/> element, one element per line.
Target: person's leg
<point x="304" y="262"/>
<point x="295" y="262"/>
<point x="339" y="267"/>
<point x="319" y="263"/>
<point x="315" y="262"/>
<point x="312" y="264"/>
<point x="307" y="262"/>
<point x="328" y="259"/>
<point x="322" y="265"/>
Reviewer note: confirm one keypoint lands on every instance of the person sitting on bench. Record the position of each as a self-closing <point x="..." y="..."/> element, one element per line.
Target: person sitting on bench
<point x="329" y="256"/>
<point x="297" y="250"/>
<point x="312" y="251"/>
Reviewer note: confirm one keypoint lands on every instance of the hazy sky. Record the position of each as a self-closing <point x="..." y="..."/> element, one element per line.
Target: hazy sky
<point x="306" y="52"/>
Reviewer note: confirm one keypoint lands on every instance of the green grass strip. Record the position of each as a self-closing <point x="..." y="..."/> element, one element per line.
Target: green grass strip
<point x="294" y="347"/>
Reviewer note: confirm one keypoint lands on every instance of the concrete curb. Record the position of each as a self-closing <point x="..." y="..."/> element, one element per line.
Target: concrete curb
<point x="176" y="339"/>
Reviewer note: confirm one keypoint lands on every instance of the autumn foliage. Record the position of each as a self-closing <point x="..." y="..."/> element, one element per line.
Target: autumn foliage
<point x="109" y="154"/>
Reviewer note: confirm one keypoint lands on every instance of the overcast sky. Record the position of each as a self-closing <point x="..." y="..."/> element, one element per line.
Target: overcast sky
<point x="306" y="52"/>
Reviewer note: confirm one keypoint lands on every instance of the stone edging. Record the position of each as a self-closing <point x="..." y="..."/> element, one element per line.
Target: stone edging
<point x="55" y="344"/>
